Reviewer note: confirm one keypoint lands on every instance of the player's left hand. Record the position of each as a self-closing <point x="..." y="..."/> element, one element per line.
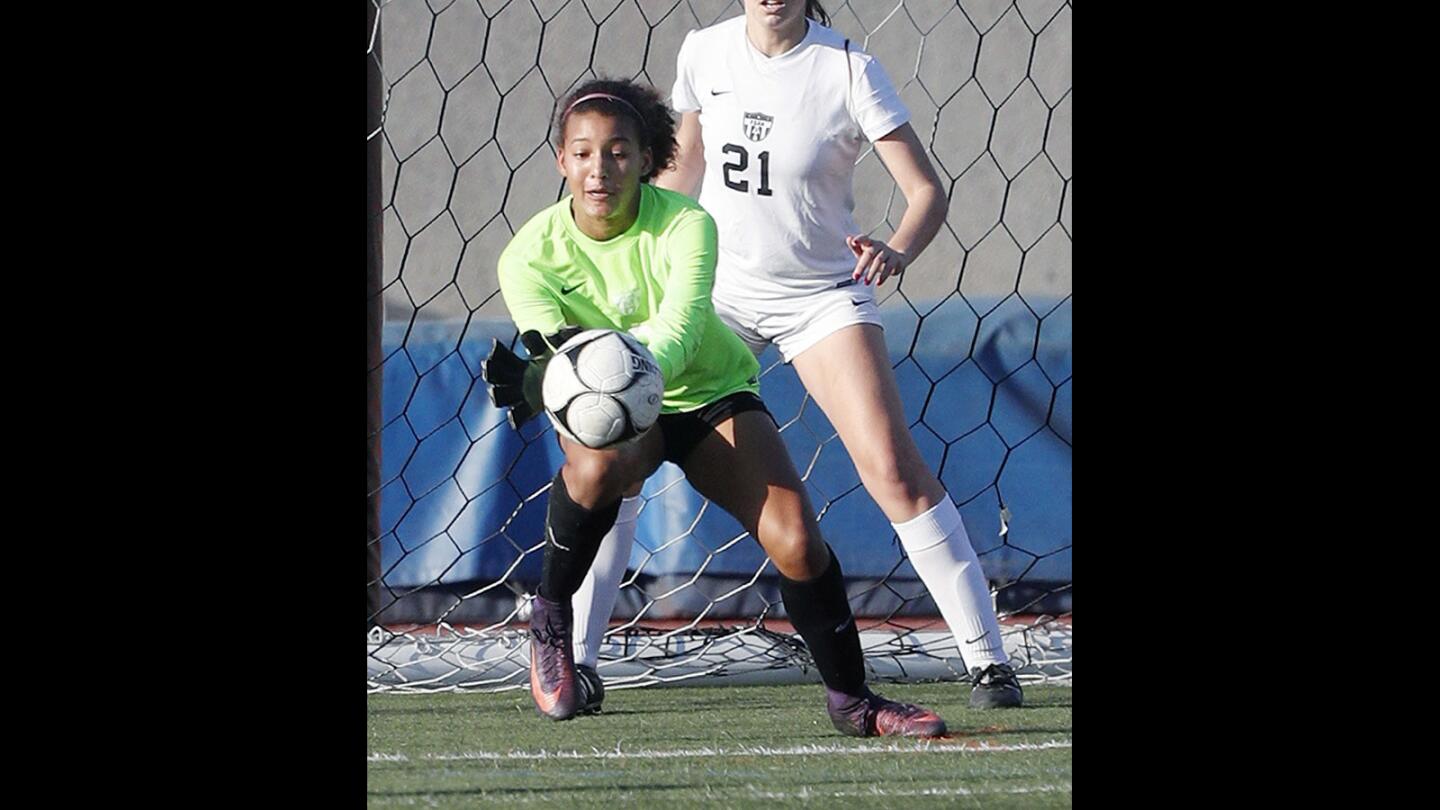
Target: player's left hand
<point x="875" y="261"/>
<point x="514" y="383"/>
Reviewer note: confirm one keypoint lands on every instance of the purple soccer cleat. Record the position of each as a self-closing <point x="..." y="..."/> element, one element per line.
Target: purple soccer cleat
<point x="870" y="715"/>
<point x="552" y="664"/>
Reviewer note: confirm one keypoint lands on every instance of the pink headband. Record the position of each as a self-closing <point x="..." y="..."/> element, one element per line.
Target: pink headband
<point x="607" y="96"/>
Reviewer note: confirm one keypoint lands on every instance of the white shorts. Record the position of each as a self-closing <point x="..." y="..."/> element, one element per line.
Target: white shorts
<point x="796" y="324"/>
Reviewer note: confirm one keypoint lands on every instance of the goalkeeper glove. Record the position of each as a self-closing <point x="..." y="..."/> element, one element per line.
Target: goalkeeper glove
<point x="514" y="383"/>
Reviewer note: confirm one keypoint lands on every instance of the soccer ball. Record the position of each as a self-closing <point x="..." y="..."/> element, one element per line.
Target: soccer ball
<point x="602" y="388"/>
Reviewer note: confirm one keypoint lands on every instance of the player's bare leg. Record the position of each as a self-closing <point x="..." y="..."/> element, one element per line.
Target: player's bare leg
<point x="743" y="466"/>
<point x="849" y="375"/>
<point x="584" y="501"/>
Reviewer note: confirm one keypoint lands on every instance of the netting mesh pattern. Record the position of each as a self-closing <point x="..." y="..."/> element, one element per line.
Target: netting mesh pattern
<point x="978" y="330"/>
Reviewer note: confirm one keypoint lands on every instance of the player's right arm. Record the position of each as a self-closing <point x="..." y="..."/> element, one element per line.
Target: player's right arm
<point x="515" y="383"/>
<point x="532" y="303"/>
<point x="689" y="167"/>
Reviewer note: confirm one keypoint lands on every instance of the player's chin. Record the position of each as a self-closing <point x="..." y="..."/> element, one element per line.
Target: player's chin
<point x="600" y="207"/>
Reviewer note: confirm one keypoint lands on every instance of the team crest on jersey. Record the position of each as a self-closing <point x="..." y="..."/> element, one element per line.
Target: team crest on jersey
<point x="626" y="302"/>
<point x="757" y="125"/>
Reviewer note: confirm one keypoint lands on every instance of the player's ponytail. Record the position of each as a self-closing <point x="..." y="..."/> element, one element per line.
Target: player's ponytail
<point x="814" y="11"/>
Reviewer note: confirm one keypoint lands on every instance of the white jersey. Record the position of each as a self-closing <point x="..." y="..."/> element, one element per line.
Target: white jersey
<point x="781" y="138"/>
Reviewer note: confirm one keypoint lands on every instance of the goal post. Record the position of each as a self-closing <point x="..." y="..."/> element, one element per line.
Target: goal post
<point x="374" y="309"/>
<point x="978" y="331"/>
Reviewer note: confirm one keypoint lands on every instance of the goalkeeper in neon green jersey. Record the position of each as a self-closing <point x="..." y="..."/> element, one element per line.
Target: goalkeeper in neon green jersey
<point x="651" y="279"/>
<point x="618" y="253"/>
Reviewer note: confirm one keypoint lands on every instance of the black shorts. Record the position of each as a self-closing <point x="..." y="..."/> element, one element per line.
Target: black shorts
<point x="683" y="431"/>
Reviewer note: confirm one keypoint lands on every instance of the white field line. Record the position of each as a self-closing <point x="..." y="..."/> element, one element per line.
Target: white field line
<point x="739" y="751"/>
<point x="806" y="793"/>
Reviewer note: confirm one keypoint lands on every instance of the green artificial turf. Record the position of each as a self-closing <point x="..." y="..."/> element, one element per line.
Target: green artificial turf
<point x="748" y="746"/>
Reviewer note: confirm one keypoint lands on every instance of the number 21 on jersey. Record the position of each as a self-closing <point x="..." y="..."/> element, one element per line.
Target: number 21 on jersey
<point x="739" y="162"/>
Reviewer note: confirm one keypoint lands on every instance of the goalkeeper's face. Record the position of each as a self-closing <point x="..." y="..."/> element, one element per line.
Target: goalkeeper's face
<point x="602" y="162"/>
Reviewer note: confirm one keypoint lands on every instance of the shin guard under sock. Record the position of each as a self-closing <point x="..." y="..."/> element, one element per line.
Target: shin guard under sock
<point x="572" y="536"/>
<point x="821" y="614"/>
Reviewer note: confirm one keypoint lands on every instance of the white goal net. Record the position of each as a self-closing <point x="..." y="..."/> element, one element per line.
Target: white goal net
<point x="978" y="330"/>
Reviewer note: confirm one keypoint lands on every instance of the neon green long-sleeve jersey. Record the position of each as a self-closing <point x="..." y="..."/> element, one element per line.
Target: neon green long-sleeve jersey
<point x="653" y="281"/>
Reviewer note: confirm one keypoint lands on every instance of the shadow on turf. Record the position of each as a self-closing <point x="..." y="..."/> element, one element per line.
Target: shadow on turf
<point x="983" y="732"/>
<point x="495" y="704"/>
<point x="462" y="709"/>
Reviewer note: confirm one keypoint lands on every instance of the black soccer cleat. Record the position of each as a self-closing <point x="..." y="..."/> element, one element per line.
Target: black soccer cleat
<point x="995" y="688"/>
<point x="592" y="689"/>
<point x="870" y="715"/>
<point x="553" y="684"/>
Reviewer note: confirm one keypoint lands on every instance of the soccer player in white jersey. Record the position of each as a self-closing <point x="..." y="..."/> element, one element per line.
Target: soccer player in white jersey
<point x="776" y="109"/>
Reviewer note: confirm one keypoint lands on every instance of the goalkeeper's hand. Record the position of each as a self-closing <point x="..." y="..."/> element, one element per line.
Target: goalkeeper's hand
<point x="514" y="383"/>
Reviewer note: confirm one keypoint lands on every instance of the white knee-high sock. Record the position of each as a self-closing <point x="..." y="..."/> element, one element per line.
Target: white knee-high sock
<point x="940" y="550"/>
<point x="595" y="600"/>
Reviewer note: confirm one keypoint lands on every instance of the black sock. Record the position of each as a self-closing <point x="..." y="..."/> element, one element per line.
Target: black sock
<point x="572" y="537"/>
<point x="822" y="616"/>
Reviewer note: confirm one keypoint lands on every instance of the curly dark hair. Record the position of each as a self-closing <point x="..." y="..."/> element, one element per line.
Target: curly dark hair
<point x="655" y="121"/>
